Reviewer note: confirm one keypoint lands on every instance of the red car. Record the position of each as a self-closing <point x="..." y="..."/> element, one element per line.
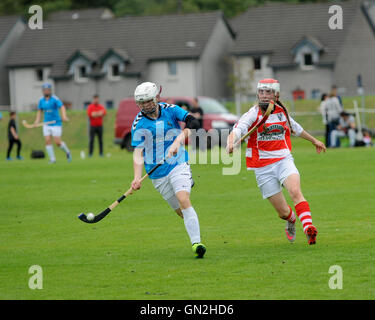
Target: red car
<point x="215" y="116"/>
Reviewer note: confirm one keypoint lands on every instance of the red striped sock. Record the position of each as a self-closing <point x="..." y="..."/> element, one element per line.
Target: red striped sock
<point x="304" y="214"/>
<point x="291" y="217"/>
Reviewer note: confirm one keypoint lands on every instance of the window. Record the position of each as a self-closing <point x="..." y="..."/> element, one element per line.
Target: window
<point x="307" y="59"/>
<point x="109" y="104"/>
<point x="315" y="93"/>
<point x="172" y="68"/>
<point x="39" y="75"/>
<point x="82" y="71"/>
<point x="115" y="70"/>
<point x="257" y="63"/>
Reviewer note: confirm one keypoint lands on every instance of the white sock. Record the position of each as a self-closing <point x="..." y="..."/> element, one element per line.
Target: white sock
<point x="192" y="224"/>
<point x="50" y="152"/>
<point x="64" y="147"/>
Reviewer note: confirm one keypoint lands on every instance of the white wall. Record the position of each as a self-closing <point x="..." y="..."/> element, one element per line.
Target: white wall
<point x="79" y="93"/>
<point x="5" y="48"/>
<point x="25" y="90"/>
<point x="307" y="80"/>
<point x="214" y="63"/>
<point x="174" y="85"/>
<point x="245" y="65"/>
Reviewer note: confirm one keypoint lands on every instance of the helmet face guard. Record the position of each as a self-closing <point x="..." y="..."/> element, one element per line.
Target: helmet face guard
<point x="267" y="90"/>
<point x="148" y="107"/>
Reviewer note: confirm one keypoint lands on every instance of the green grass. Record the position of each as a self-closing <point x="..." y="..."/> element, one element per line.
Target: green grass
<point x="142" y="251"/>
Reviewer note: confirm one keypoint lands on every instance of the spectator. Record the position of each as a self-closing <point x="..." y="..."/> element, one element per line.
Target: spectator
<point x="346" y="127"/>
<point x="13" y="137"/>
<point x="334" y="93"/>
<point x="333" y="109"/>
<point x="197" y="112"/>
<point x="96" y="112"/>
<point x="323" y="111"/>
<point x="367" y="138"/>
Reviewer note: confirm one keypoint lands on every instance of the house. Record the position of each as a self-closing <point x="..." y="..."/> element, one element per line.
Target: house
<point x="185" y="53"/>
<point x="294" y="44"/>
<point x="11" y="28"/>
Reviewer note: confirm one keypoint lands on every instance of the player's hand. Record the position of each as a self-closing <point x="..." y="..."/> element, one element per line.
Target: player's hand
<point x="65" y="119"/>
<point x="229" y="148"/>
<point x="173" y="149"/>
<point x="320" y="146"/>
<point x="136" y="184"/>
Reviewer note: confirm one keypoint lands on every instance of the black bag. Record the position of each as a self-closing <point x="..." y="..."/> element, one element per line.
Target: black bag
<point x="37" y="154"/>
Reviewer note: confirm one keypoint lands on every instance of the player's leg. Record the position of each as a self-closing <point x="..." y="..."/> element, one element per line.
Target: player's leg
<point x="352" y="137"/>
<point x="10" y="147"/>
<point x="293" y="185"/>
<point x="91" y="140"/>
<point x="47" y="132"/>
<point x="19" y="146"/>
<point x="269" y="184"/>
<point x="181" y="180"/>
<point x="100" y="138"/>
<point x="57" y="132"/>
<point x="285" y="212"/>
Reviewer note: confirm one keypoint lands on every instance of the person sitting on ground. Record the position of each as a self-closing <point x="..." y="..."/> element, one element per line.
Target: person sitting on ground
<point x="345" y="128"/>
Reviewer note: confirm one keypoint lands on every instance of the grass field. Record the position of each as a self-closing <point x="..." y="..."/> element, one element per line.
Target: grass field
<point x="141" y="250"/>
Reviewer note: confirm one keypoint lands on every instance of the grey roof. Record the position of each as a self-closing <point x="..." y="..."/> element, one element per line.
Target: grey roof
<point x="6" y="25"/>
<point x="278" y="27"/>
<point x="142" y="38"/>
<point x="93" y="13"/>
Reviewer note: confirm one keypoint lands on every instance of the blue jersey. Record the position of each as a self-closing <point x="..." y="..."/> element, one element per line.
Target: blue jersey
<point x="51" y="109"/>
<point x="155" y="136"/>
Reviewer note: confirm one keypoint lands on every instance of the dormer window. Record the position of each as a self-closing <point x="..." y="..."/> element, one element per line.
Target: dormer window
<point x="113" y="63"/>
<point x="307" y="58"/>
<point x="115" y="70"/>
<point x="81" y="72"/>
<point x="307" y="52"/>
<point x="81" y="64"/>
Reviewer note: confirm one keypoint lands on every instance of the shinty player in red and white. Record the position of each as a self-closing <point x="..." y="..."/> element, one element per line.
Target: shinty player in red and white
<point x="268" y="153"/>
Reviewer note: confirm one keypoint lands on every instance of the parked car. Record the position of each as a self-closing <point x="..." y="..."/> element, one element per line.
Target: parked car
<point x="215" y="116"/>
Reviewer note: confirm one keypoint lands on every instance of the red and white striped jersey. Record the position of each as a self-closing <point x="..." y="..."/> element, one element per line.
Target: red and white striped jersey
<point x="266" y="146"/>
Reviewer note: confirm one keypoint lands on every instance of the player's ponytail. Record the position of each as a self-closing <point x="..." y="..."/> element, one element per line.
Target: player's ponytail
<point x="287" y="115"/>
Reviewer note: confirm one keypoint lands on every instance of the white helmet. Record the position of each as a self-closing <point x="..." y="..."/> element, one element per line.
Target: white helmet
<point x="269" y="84"/>
<point x="146" y="91"/>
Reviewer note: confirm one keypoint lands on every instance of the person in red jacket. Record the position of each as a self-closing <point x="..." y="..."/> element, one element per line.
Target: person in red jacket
<point x="96" y="112"/>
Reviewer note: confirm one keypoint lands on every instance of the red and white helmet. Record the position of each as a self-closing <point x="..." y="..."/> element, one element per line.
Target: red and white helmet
<point x="269" y="84"/>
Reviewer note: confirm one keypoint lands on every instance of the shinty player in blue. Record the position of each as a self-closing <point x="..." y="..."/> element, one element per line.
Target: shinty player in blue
<point x="157" y="136"/>
<point x="50" y="105"/>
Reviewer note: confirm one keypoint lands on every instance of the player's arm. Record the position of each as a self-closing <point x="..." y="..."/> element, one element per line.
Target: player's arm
<point x="191" y="123"/>
<point x="138" y="161"/>
<point x="241" y="128"/>
<point x="14" y="133"/>
<point x="300" y="132"/>
<point x="318" y="144"/>
<point x="38" y="116"/>
<point x="63" y="113"/>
